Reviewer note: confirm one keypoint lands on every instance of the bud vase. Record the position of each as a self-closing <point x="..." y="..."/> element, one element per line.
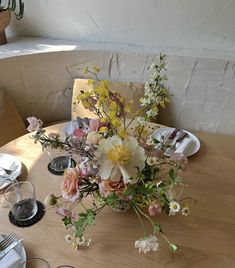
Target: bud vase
<point x="120" y="206"/>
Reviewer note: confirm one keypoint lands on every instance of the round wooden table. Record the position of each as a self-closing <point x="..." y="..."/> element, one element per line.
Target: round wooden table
<point x="206" y="237"/>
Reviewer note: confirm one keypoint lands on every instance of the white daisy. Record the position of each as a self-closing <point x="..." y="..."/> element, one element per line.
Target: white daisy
<point x="152" y="160"/>
<point x="68" y="238"/>
<point x="174" y="207"/>
<point x="117" y="157"/>
<point x="185" y="211"/>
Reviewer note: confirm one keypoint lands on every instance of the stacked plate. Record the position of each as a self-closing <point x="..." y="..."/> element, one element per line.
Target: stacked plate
<point x="15" y="258"/>
<point x="10" y="169"/>
<point x="189" y="145"/>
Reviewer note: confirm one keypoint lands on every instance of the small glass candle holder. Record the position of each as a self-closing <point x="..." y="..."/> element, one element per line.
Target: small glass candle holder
<point x="59" y="160"/>
<point x="22" y="200"/>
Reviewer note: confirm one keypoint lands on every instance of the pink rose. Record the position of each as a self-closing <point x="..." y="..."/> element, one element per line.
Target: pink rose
<point x="154" y="208"/>
<point x="108" y="187"/>
<point x="34" y="124"/>
<point x="95" y="125"/>
<point x="78" y="133"/>
<point x="70" y="185"/>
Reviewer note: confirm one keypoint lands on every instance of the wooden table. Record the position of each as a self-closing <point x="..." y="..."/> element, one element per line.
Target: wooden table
<point x="206" y="237"/>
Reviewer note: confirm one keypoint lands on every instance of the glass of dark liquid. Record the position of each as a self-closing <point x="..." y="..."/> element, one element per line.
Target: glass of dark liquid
<point x="21" y="198"/>
<point x="60" y="160"/>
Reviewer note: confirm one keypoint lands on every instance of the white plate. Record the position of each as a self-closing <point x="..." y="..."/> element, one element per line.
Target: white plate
<point x="167" y="130"/>
<point x="11" y="159"/>
<point x="21" y="251"/>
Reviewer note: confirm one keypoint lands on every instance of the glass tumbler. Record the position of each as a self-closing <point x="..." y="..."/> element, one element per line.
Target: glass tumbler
<point x="59" y="160"/>
<point x="21" y="198"/>
<point x="37" y="263"/>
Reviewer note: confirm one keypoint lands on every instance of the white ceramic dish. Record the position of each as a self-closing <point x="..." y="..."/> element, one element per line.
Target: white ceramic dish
<point x="7" y="158"/>
<point x="194" y="148"/>
<point x="21" y="251"/>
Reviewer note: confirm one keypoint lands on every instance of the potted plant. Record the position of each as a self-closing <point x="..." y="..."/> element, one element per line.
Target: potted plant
<point x="17" y="7"/>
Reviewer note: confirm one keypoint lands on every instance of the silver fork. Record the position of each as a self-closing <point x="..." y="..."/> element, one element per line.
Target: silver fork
<point x="7" y="241"/>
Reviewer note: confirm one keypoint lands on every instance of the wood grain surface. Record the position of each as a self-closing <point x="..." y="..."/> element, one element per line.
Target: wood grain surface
<point x="206" y="237"/>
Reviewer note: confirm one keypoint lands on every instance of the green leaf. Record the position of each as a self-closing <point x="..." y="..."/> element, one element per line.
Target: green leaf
<point x="85" y="220"/>
<point x="111" y="199"/>
<point x="67" y="221"/>
<point x="130" y="190"/>
<point x="157" y="228"/>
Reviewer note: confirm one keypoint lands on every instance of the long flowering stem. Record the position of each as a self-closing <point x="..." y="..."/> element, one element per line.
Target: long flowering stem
<point x="141" y="222"/>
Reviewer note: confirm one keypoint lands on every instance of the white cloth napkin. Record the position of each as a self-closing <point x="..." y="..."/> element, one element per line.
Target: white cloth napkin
<point x="6" y="161"/>
<point x="11" y="259"/>
<point x="184" y="146"/>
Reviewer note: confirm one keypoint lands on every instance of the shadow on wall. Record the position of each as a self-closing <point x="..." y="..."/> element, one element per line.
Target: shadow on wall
<point x="203" y="89"/>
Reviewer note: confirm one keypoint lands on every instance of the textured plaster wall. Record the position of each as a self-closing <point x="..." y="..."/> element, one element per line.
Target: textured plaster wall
<point x="197" y="35"/>
<point x="196" y="24"/>
<point x="203" y="89"/>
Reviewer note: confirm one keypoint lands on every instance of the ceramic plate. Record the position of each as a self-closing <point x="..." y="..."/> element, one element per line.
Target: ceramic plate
<point x="7" y="158"/>
<point x="166" y="131"/>
<point x="21" y="251"/>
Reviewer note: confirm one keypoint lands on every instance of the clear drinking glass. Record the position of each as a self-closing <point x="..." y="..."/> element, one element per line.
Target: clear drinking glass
<point x="36" y="263"/>
<point x="59" y="160"/>
<point x="21" y="198"/>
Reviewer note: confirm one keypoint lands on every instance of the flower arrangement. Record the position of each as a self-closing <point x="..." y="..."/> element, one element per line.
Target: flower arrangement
<point x="119" y="162"/>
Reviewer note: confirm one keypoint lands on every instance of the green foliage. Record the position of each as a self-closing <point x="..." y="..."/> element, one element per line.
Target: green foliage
<point x="67" y="221"/>
<point x="85" y="220"/>
<point x="111" y="199"/>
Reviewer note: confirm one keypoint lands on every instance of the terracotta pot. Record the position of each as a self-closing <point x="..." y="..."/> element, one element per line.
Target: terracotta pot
<point x="5" y="18"/>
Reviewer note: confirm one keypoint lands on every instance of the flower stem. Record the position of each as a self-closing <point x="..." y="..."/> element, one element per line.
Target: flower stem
<point x="138" y="215"/>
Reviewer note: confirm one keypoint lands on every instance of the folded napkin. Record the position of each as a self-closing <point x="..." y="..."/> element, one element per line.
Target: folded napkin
<point x="184" y="146"/>
<point x="6" y="161"/>
<point x="11" y="259"/>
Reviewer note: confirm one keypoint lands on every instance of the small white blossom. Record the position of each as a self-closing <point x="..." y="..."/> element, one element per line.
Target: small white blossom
<point x="151" y="113"/>
<point x="147" y="244"/>
<point x="185" y="211"/>
<point x="150" y="141"/>
<point x="174" y="207"/>
<point x="140" y="120"/>
<point x="145" y="101"/>
<point x="83" y="242"/>
<point x="69" y="238"/>
<point x="158" y="183"/>
<point x="152" y="160"/>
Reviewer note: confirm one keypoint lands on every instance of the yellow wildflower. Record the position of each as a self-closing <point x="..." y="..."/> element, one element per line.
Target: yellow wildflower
<point x="103" y="129"/>
<point x="90" y="82"/>
<point x="122" y="133"/>
<point x="96" y="69"/>
<point x="116" y="122"/>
